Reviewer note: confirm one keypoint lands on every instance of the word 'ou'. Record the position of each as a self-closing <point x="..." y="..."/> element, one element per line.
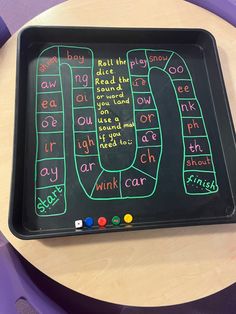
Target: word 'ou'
<point x="84" y="120"/>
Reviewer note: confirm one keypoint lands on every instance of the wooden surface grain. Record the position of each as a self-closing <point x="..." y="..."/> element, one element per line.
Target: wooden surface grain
<point x="151" y="267"/>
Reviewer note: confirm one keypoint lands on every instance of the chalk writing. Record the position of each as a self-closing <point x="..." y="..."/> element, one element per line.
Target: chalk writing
<point x="197" y="153"/>
<point x="117" y="132"/>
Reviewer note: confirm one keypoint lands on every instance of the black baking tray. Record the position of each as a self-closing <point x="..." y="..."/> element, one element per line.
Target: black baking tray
<point x="115" y="121"/>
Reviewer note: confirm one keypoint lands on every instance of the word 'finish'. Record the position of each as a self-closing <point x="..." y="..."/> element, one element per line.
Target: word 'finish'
<point x="101" y="134"/>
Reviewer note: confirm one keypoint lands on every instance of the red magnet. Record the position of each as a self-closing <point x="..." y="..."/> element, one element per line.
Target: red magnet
<point x="102" y="221"/>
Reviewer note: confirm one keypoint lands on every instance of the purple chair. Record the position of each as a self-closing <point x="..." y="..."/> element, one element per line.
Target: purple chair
<point x="26" y="10"/>
<point x="18" y="294"/>
<point x="224" y="8"/>
<point x="4" y="32"/>
<point x="24" y="289"/>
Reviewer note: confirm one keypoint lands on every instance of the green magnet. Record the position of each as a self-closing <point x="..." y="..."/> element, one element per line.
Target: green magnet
<point x="116" y="220"/>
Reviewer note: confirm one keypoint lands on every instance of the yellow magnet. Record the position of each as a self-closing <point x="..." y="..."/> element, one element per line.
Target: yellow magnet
<point x="128" y="218"/>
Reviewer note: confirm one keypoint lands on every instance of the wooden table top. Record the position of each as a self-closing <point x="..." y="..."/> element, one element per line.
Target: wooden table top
<point x="151" y="267"/>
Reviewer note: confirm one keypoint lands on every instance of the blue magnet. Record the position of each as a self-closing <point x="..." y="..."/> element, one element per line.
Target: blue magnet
<point x="88" y="221"/>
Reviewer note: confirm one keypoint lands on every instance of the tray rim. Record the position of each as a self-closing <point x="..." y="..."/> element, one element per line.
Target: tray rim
<point x="174" y="223"/>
